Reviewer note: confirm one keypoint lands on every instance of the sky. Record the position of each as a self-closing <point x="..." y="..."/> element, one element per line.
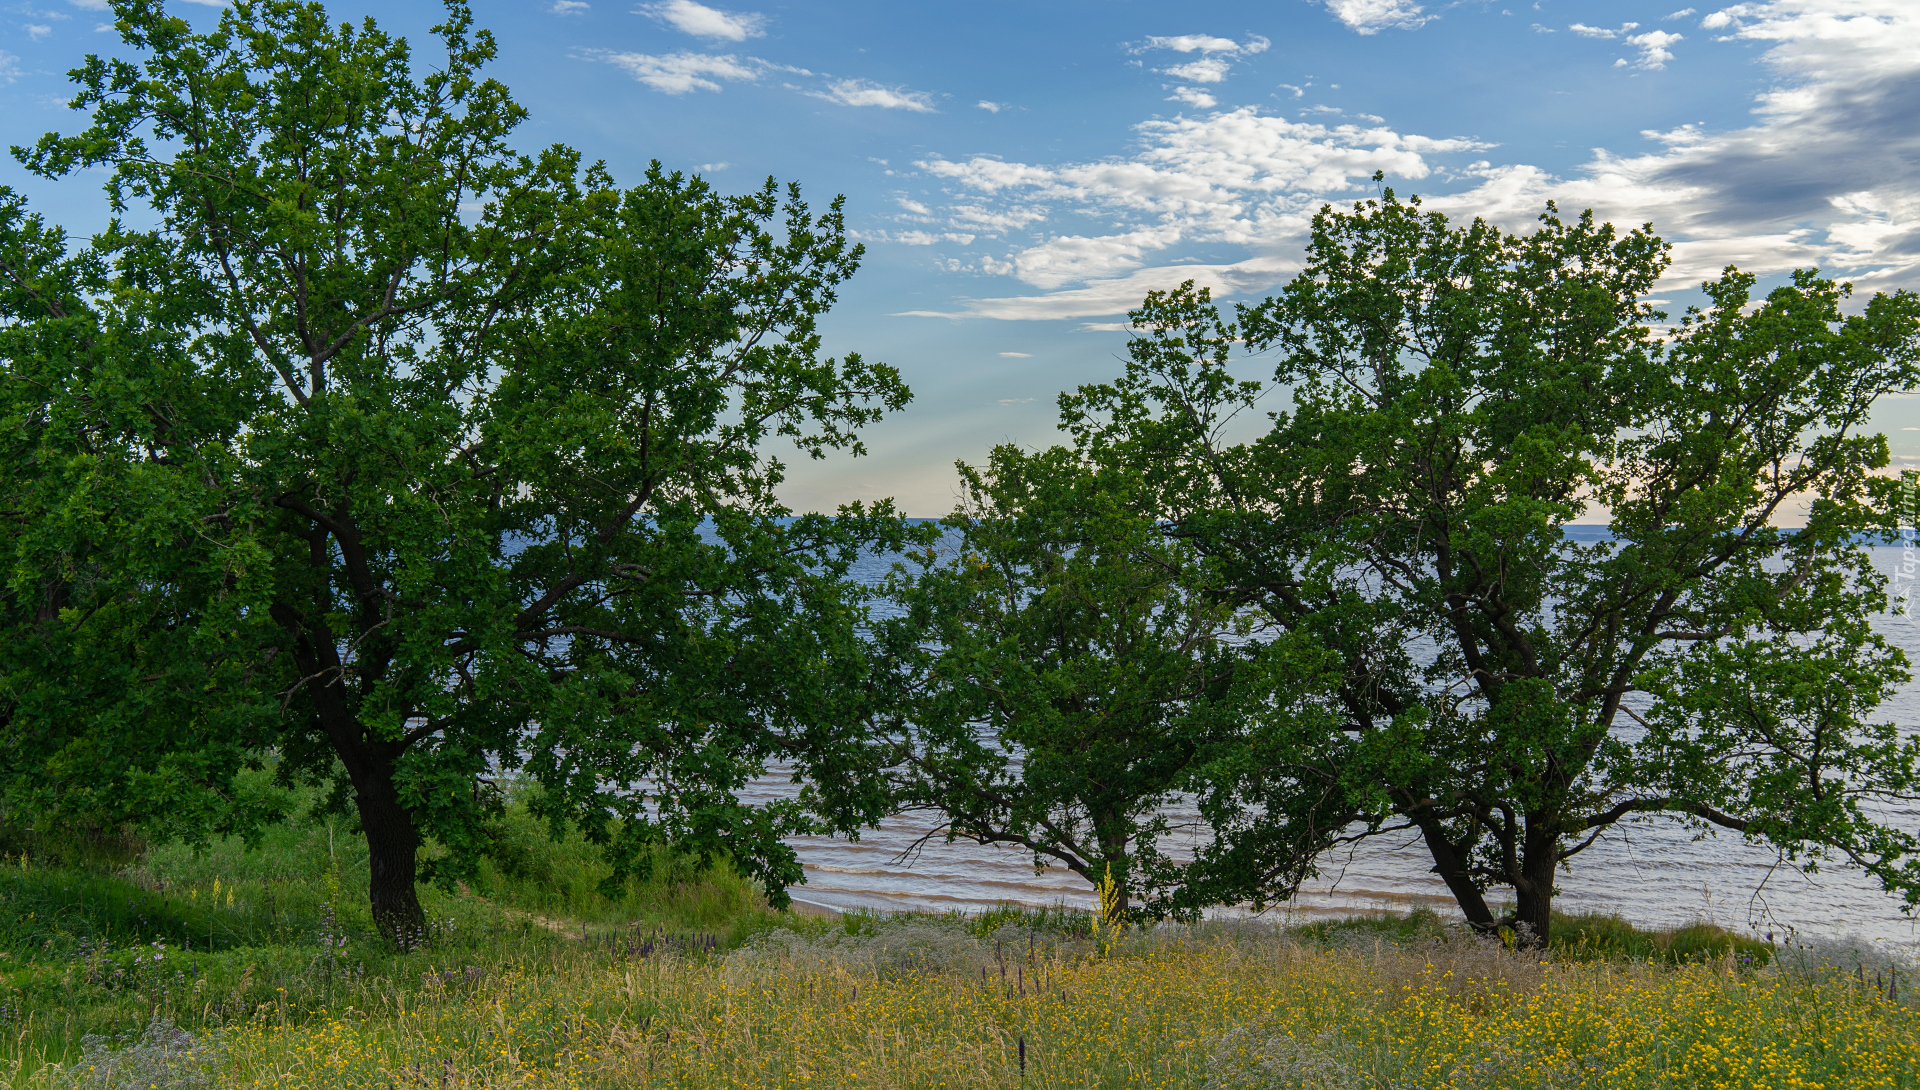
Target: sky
<point x="1021" y="174"/>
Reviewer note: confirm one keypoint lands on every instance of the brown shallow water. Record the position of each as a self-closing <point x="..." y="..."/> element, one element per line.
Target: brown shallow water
<point x="1655" y="873"/>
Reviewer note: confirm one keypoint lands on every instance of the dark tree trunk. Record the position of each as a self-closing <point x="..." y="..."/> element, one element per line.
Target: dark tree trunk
<point x="1533" y="888"/>
<point x="393" y="841"/>
<point x="393" y="848"/>
<point x="1449" y="862"/>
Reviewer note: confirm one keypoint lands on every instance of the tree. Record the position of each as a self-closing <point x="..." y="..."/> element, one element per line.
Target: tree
<point x="1065" y="676"/>
<point x="112" y="614"/>
<point x="1459" y="395"/>
<point x="486" y="475"/>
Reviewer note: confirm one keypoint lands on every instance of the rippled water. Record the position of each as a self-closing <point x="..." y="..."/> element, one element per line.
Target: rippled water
<point x="1653" y="873"/>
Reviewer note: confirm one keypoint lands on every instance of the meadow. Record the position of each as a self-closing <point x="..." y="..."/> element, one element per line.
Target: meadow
<point x="255" y="967"/>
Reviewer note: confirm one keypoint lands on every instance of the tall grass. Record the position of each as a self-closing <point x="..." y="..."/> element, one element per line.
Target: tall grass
<point x="254" y="966"/>
<point x="209" y="939"/>
<point x="928" y="1004"/>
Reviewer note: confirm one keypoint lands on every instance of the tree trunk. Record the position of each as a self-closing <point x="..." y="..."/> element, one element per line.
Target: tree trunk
<point x="1533" y="888"/>
<point x="393" y="848"/>
<point x="1451" y="866"/>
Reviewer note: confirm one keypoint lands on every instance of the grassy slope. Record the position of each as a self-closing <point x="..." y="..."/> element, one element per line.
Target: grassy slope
<point x="534" y="979"/>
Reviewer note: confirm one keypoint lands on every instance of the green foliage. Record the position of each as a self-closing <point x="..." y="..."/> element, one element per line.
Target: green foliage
<point x="417" y="462"/>
<point x="1598" y="937"/>
<point x="1459" y="395"/>
<point x="1417" y="925"/>
<point x="112" y="617"/>
<point x="1057" y="920"/>
<point x="1063" y="674"/>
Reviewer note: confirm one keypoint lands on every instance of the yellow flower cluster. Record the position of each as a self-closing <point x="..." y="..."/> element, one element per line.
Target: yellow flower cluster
<point x="1157" y="1011"/>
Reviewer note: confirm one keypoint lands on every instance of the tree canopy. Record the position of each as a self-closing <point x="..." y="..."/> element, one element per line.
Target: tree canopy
<point x="1459" y="396"/>
<point x="419" y="462"/>
<point x="1066" y="670"/>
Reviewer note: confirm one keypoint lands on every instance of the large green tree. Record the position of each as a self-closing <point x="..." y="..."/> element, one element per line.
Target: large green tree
<point x="478" y="481"/>
<point x="1065" y="669"/>
<point x="1458" y="396"/>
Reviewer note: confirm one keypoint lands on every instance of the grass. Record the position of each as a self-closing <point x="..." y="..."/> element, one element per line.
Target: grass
<point x="1573" y="937"/>
<point x="251" y="967"/>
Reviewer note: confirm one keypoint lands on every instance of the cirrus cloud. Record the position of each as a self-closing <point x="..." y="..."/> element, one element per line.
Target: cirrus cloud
<point x="861" y="92"/>
<point x="682" y="73"/>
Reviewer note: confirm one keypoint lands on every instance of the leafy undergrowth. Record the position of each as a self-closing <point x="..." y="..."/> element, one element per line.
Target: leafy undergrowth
<point x="1573" y="937"/>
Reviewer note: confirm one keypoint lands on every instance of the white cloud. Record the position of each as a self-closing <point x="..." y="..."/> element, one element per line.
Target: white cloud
<point x="570" y="7"/>
<point x="713" y="168"/>
<point x="1016" y="355"/>
<point x="1193" y="43"/>
<point x="1206" y="43"/>
<point x="991" y="107"/>
<point x="9" y="66"/>
<point x="1231" y="178"/>
<point x="701" y="21"/>
<point x="928" y="238"/>
<point x="860" y="92"/>
<point x="913" y="238"/>
<point x="1213" y="66"/>
<point x="37" y="31"/>
<point x="680" y="73"/>
<point x="1653" y="45"/>
<point x="1119" y="295"/>
<point x="1204" y="70"/>
<point x="1586" y="31"/>
<point x="1681" y="14"/>
<point x="1373" y="16"/>
<point x="1191" y="165"/>
<point x="913" y="206"/>
<point x="995" y="221"/>
<point x="1069" y="259"/>
<point x="90" y="5"/>
<point x="1823" y="176"/>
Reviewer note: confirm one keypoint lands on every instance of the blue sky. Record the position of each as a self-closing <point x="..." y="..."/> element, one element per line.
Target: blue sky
<point x="1022" y="173"/>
